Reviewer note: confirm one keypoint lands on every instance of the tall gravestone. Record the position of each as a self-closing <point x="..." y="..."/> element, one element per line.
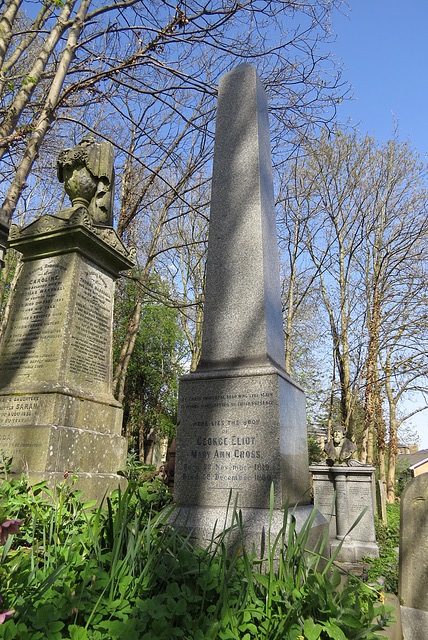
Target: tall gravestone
<point x="241" y="418"/>
<point x="57" y="410"/>
<point x="413" y="570"/>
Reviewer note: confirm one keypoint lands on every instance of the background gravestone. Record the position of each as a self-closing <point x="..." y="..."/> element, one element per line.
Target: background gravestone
<point x="57" y="410"/>
<point x="381" y="501"/>
<point x="342" y="493"/>
<point x="241" y="418"/>
<point x="413" y="570"/>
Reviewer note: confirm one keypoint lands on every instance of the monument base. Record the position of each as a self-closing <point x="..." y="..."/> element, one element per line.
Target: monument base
<point x="240" y="431"/>
<point x="54" y="448"/>
<point x="51" y="434"/>
<point x="354" y="550"/>
<point x="206" y="524"/>
<point x="58" y="414"/>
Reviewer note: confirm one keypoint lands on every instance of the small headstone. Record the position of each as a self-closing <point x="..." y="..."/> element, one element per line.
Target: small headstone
<point x="241" y="418"/>
<point x="342" y="493"/>
<point x="381" y="501"/>
<point x="57" y="410"/>
<point x="413" y="572"/>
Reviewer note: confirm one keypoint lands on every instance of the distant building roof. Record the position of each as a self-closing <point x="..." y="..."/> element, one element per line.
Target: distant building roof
<point x="411" y="459"/>
<point x="418" y="464"/>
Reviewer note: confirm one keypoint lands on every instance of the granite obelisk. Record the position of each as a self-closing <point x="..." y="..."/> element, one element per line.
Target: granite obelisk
<point x="242" y="423"/>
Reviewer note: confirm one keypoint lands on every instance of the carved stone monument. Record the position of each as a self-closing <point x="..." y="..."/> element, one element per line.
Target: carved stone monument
<point x="57" y="410"/>
<point x="342" y="493"/>
<point x="241" y="418"/>
<point x="413" y="574"/>
<point x="339" y="449"/>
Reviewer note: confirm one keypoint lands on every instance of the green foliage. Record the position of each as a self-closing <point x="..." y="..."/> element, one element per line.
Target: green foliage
<point x="151" y="386"/>
<point x="403" y="475"/>
<point x="388" y="538"/>
<point x="122" y="572"/>
<point x="315" y="452"/>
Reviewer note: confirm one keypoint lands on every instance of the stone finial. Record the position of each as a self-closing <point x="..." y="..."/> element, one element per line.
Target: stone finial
<point x="339" y="449"/>
<point x="87" y="172"/>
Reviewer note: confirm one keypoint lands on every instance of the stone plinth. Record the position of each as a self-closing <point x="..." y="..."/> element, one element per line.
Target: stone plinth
<point x="57" y="410"/>
<point x="341" y="494"/>
<point x="240" y="431"/>
<point x="241" y="418"/>
<point x="413" y="573"/>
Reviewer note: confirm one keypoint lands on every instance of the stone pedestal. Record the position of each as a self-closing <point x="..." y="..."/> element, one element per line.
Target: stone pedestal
<point x="57" y="410"/>
<point x="240" y="431"/>
<point x="341" y="494"/>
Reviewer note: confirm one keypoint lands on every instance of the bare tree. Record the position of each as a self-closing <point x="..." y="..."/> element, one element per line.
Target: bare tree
<point x="161" y="56"/>
<point x="334" y="237"/>
<point x="358" y="209"/>
<point x="395" y="228"/>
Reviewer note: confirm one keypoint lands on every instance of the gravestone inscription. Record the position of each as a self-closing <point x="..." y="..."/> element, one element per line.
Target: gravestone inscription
<point x="343" y="493"/>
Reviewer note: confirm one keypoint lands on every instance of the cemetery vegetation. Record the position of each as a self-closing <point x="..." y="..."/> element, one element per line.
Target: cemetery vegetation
<point x="158" y="359"/>
<point x="78" y="571"/>
<point x="384" y="570"/>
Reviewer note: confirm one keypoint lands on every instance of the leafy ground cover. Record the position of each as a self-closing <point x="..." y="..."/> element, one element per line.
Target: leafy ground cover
<point x="119" y="571"/>
<point x="384" y="570"/>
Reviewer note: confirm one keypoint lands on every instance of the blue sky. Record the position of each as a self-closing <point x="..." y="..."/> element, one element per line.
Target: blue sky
<point x="383" y="47"/>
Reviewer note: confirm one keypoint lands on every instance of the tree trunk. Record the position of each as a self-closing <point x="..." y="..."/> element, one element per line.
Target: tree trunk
<point x="6" y="22"/>
<point x="23" y="96"/>
<point x="393" y="440"/>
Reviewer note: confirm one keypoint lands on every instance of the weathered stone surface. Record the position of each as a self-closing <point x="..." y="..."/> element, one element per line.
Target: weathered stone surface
<point x="59" y="334"/>
<point x="87" y="171"/>
<point x="413" y="574"/>
<point x="57" y="410"/>
<point x="339" y="450"/>
<point x="242" y="423"/>
<point x="241" y="419"/>
<point x="415" y="623"/>
<point x="55" y="448"/>
<point x="341" y="494"/>
<point x="242" y="308"/>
